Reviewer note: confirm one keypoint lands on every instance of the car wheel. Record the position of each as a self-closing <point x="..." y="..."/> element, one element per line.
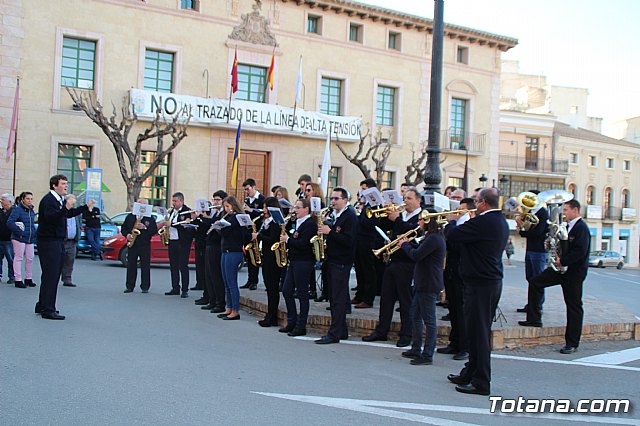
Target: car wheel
<point x="123" y="256"/>
<point x="600" y="264"/>
<point x="620" y="265"/>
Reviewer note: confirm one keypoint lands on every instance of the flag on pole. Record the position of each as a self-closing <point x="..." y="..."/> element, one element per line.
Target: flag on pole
<point x="236" y="159"/>
<point x="299" y="82"/>
<point x="13" y="132"/>
<point x="326" y="165"/>
<point x="234" y="73"/>
<point x="271" y="70"/>
<point x="465" y="177"/>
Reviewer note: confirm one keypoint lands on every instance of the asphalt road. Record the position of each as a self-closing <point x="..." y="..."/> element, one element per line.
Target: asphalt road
<point x="153" y="359"/>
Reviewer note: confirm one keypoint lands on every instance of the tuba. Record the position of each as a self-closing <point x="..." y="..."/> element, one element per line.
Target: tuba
<point x="131" y="240"/>
<point x="253" y="248"/>
<point x="558" y="235"/>
<point x="528" y="201"/>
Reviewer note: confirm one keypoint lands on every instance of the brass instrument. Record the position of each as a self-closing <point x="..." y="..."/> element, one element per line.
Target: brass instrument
<point x="528" y="201"/>
<point x="164" y="231"/>
<point x="319" y="245"/>
<point x="558" y="234"/>
<point x="253" y="248"/>
<point x="383" y="211"/>
<point x="426" y="215"/>
<point x="388" y="249"/>
<point x="280" y="249"/>
<point x="135" y="232"/>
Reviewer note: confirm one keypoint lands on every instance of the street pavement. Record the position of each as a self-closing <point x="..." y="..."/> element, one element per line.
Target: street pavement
<point x="153" y="359"/>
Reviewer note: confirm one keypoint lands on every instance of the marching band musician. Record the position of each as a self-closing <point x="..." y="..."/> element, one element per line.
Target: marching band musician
<point x="398" y="274"/>
<point x="269" y="234"/>
<point x="199" y="245"/>
<point x="213" y="283"/>
<point x="341" y="250"/>
<point x="301" y="261"/>
<point x="253" y="203"/>
<point x="365" y="262"/>
<point x="314" y="190"/>
<point x="141" y="249"/>
<point x="180" y="238"/>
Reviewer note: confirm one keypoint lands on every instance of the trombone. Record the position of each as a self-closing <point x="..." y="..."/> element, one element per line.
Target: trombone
<point x="383" y="211"/>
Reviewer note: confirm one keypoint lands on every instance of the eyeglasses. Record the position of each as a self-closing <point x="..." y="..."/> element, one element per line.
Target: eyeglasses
<point x="217" y="199"/>
<point x="335" y="198"/>
<point x="298" y="207"/>
<point x="308" y="190"/>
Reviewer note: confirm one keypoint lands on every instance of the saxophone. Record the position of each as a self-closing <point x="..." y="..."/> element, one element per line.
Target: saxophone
<point x="280" y="249"/>
<point x="253" y="248"/>
<point x="318" y="243"/>
<point x="131" y="240"/>
<point x="164" y="231"/>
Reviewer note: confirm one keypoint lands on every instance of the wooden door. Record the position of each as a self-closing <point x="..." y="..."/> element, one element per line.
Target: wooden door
<point x="253" y="164"/>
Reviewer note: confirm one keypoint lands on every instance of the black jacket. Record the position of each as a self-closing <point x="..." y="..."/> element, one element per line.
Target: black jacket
<point x="341" y="241"/>
<point x="5" y="232"/>
<point x="144" y="239"/>
<point x="258" y="203"/>
<point x="576" y="257"/>
<point x="212" y="237"/>
<point x="429" y="258"/>
<point x="452" y="268"/>
<point x="92" y="218"/>
<point x="52" y="218"/>
<point x="536" y="236"/>
<point x="185" y="233"/>
<point x="234" y="237"/>
<point x="366" y="233"/>
<point x="269" y="237"/>
<point x="299" y="243"/>
<point x="481" y="241"/>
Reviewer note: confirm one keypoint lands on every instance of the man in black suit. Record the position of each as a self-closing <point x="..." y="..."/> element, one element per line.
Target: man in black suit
<point x="575" y="261"/>
<point x="253" y="206"/>
<point x="341" y="250"/>
<point x="214" y="283"/>
<point x="180" y="238"/>
<point x="481" y="241"/>
<point x="141" y="249"/>
<point x="365" y="263"/>
<point x="53" y="212"/>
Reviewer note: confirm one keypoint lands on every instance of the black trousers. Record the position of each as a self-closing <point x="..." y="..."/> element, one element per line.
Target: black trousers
<point x="380" y="267"/>
<point x="271" y="274"/>
<point x="366" y="275"/>
<point x="142" y="252"/>
<point x="200" y="266"/>
<point x="454" y="287"/>
<point x="214" y="283"/>
<point x="51" y="255"/>
<point x="253" y="272"/>
<point x="479" y="307"/>
<point x="179" y="264"/>
<point x="297" y="281"/>
<point x="338" y="275"/>
<point x="396" y="285"/>
<point x="572" y="292"/>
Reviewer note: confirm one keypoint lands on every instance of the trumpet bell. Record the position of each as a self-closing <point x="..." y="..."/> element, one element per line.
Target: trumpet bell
<point x="555" y="196"/>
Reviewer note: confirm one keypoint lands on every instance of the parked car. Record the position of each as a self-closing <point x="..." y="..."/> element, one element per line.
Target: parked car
<point x="603" y="258"/>
<point x="108" y="229"/>
<point x="115" y="248"/>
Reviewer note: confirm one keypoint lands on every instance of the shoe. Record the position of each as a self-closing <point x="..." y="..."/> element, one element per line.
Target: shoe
<point x="446" y="318"/>
<point x="247" y="285"/>
<point x="11" y="281"/>
<point x="29" y="283"/>
<point x="69" y="285"/>
<point x="286" y="329"/>
<point x="207" y="307"/>
<point x="460" y="356"/>
<point x="222" y="315"/>
<point x="458" y="380"/>
<point x="522" y="310"/>
<point x="471" y="389"/>
<point x="568" y="350"/>
<point x="202" y="301"/>
<point x="328" y="308"/>
<point x="411" y="353"/>
<point x="196" y="288"/>
<point x="253" y="287"/>
<point x="313" y="295"/>
<point x="217" y="310"/>
<point x="446" y="350"/>
<point x="326" y="340"/>
<point x="145" y="291"/>
<point x="421" y="361"/>
<point x="403" y="342"/>
<point x="184" y="295"/>
<point x="398" y="309"/>
<point x="228" y="318"/>
<point x="129" y="290"/>
<point x="172" y="293"/>
<point x="362" y="305"/>
<point x="321" y="298"/>
<point x="52" y="316"/>
<point x="265" y="323"/>
<point x="354" y="288"/>
<point x="530" y="324"/>
<point x="374" y="337"/>
<point x="297" y="332"/>
<point x="354" y="301"/>
<point x="443" y="304"/>
<point x="20" y="284"/>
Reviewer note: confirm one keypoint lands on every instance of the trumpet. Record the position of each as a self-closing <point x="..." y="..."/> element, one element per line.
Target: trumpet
<point x="426" y="215"/>
<point x="383" y="211"/>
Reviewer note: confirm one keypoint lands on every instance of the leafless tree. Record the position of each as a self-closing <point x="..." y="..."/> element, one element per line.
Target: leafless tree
<point x="418" y="164"/>
<point x="118" y="130"/>
<point x="371" y="150"/>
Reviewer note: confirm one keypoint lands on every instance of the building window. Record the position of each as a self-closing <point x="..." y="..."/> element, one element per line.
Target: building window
<point x="455" y="181"/>
<point x="607" y="201"/>
<point x="355" y="32"/>
<point x="573" y="158"/>
<point x="330" y="96"/>
<point x="532" y="146"/>
<point x="462" y="55"/>
<point x="385" y="110"/>
<point x="610" y="163"/>
<point x="625" y="201"/>
<point x="590" y="195"/>
<point x="78" y="63"/>
<point x="190" y="4"/>
<point x="388" y="180"/>
<point x="158" y="70"/>
<point x="73" y="160"/>
<point x="626" y="165"/>
<point x="593" y="160"/>
<point x="251" y="83"/>
<point x="394" y="40"/>
<point x="573" y="189"/>
<point x="155" y="187"/>
<point x="458" y="121"/>
<point x="314" y="24"/>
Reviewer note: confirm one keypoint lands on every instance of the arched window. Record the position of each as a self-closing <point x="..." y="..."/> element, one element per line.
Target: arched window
<point x="607" y="203"/>
<point x="590" y="196"/>
<point x="572" y="188"/>
<point x="625" y="199"/>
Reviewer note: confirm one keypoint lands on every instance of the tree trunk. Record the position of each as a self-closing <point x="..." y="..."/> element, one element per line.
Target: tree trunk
<point x="133" y="193"/>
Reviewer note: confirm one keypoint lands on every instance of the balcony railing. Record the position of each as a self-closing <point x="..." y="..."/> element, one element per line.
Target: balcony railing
<point x="614" y="213"/>
<point x="459" y="142"/>
<point x="523" y="164"/>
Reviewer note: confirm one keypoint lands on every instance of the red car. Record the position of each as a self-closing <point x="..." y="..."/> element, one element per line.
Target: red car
<point x="115" y="248"/>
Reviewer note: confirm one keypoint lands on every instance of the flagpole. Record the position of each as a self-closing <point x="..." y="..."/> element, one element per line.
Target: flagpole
<point x="15" y="142"/>
<point x="229" y="108"/>
<point x="298" y="90"/>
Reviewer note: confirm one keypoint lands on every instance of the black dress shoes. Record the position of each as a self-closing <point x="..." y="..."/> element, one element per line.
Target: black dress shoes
<point x="313" y="295"/>
<point x="471" y="389"/>
<point x="297" y="332"/>
<point x="568" y="350"/>
<point x="448" y="350"/>
<point x="69" y="285"/>
<point x="223" y="315"/>
<point x="29" y="283"/>
<point x="129" y="290"/>
<point x="530" y="324"/>
<point x="207" y="307"/>
<point x="522" y="310"/>
<point x="217" y="309"/>
<point x="247" y="285"/>
<point x="374" y="337"/>
<point x="446" y="317"/>
<point x="286" y="329"/>
<point x="20" y="284"/>
<point x="52" y="316"/>
<point x="202" y="301"/>
<point x="461" y="356"/>
<point x="172" y="293"/>
<point x="196" y="288"/>
<point x="411" y="353"/>
<point x="403" y="342"/>
<point x="145" y="291"/>
<point x="458" y="380"/>
<point x="326" y="340"/>
<point x="253" y="287"/>
<point x="184" y="294"/>
<point x="228" y="318"/>
<point x="421" y="361"/>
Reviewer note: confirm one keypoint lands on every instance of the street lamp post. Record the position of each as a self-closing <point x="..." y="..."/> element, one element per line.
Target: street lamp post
<point x="483" y="180"/>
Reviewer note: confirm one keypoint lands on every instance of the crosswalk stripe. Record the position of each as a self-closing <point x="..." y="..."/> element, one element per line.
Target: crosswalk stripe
<point x="613" y="358"/>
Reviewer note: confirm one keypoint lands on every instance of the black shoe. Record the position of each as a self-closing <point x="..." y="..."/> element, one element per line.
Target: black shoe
<point x="458" y="380"/>
<point x="403" y="342"/>
<point x="29" y="283"/>
<point x="461" y="356"/>
<point x="20" y="284"/>
<point x="471" y="389"/>
<point x="52" y="316"/>
<point x="522" y="310"/>
<point x="218" y="309"/>
<point x="287" y="329"/>
<point x="145" y="291"/>
<point x="247" y="285"/>
<point x="228" y="318"/>
<point x="297" y="332"/>
<point x="321" y="298"/>
<point x="222" y="315"/>
<point x="328" y="308"/>
<point x="253" y="287"/>
<point x="129" y="290"/>
<point x="184" y="295"/>
<point x="411" y="353"/>
<point x="202" y="301"/>
<point x="421" y="361"/>
<point x="443" y="304"/>
<point x="398" y="309"/>
<point x="266" y="323"/>
<point x="326" y="340"/>
<point x="446" y="350"/>
<point x="568" y="350"/>
<point x="374" y="337"/>
<point x="446" y="318"/>
<point x="11" y="281"/>
<point x="69" y="285"/>
<point x="196" y="288"/>
<point x="313" y="295"/>
<point x="207" y="307"/>
<point x="530" y="324"/>
<point x="172" y="293"/>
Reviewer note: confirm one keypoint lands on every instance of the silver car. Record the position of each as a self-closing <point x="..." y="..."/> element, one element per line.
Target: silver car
<point x="602" y="258"/>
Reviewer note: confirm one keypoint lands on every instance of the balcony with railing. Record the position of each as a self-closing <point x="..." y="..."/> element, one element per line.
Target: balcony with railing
<point x="612" y="213"/>
<point x="458" y="142"/>
<point x="523" y="164"/>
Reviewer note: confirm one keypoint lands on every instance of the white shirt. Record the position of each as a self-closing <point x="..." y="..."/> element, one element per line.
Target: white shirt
<point x="173" y="232"/>
<point x="489" y="211"/>
<point x="336" y="214"/>
<point x="252" y="199"/>
<point x="267" y="221"/>
<point x="300" y="221"/>
<point x="462" y="219"/>
<point x="573" y="222"/>
<point x="59" y="197"/>
<point x="405" y="217"/>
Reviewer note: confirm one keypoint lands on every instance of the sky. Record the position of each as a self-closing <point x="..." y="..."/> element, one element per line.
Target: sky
<point x="591" y="44"/>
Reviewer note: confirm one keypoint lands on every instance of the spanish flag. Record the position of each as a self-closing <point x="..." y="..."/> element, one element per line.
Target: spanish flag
<point x="236" y="159"/>
<point x="234" y="73"/>
<point x="271" y="69"/>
